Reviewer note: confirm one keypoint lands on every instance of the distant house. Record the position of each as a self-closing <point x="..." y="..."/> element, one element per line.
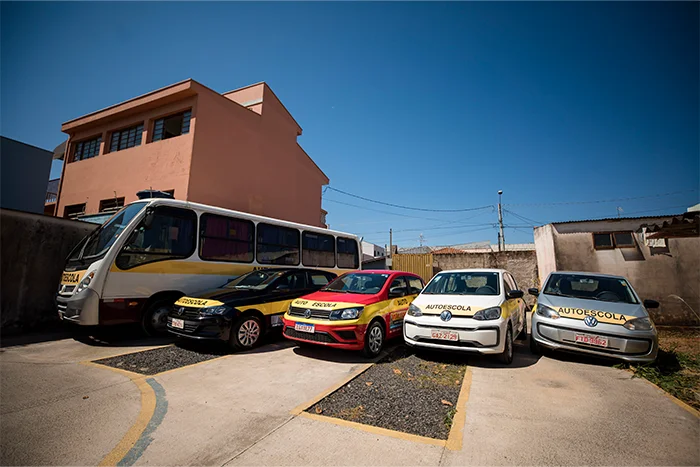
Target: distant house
<point x="660" y="256"/>
<point x="370" y="250"/>
<point x="24" y="170"/>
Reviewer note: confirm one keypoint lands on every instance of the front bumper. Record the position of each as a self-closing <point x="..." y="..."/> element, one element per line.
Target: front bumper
<point x="629" y="346"/>
<point x="202" y="328"/>
<point x="343" y="336"/>
<point x="484" y="337"/>
<point x="81" y="308"/>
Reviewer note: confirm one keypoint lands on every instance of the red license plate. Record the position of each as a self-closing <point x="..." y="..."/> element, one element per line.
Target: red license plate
<point x="591" y="340"/>
<point x="444" y="335"/>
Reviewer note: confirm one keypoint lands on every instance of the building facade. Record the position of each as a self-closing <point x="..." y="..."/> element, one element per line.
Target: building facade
<point x="658" y="255"/>
<point x="236" y="150"/>
<point x="370" y="250"/>
<point x="24" y="172"/>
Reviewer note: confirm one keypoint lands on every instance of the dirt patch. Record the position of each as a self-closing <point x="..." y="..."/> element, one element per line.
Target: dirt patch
<point x="684" y="340"/>
<point x="150" y="362"/>
<point x="401" y="392"/>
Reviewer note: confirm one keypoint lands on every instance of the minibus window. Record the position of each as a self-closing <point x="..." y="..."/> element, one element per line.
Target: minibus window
<point x="171" y="235"/>
<point x="226" y="239"/>
<point x="277" y="245"/>
<point x="348" y="256"/>
<point x="318" y="250"/>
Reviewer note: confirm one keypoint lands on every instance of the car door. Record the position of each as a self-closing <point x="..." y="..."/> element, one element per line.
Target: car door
<point x="290" y="286"/>
<point x="516" y="305"/>
<point x="399" y="300"/>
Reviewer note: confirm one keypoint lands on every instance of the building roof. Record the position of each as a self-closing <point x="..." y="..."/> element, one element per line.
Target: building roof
<point x="684" y="225"/>
<point x="617" y="219"/>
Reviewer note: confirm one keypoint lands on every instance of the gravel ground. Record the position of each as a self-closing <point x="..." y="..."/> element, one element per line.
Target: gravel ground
<point x="150" y="362"/>
<point x="402" y="392"/>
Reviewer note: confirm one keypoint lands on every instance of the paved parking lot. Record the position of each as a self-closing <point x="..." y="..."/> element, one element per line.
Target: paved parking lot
<point x="239" y="409"/>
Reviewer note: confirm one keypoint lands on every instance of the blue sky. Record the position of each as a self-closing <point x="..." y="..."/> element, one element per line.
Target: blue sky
<point x="428" y="105"/>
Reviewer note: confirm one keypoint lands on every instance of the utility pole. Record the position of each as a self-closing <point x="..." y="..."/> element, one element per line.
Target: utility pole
<point x="501" y="238"/>
<point x="391" y="245"/>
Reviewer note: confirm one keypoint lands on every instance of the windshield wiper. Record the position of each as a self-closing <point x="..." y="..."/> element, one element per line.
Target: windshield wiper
<point x="333" y="290"/>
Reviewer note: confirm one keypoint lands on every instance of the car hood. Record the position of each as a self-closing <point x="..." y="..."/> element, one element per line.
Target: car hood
<point x="458" y="305"/>
<point x="334" y="300"/>
<point x="605" y="312"/>
<point x="221" y="296"/>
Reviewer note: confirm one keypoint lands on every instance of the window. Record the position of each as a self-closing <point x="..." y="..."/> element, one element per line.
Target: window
<point x="398" y="287"/>
<point x="415" y="285"/>
<point x="226" y="239"/>
<point x="126" y="138"/>
<point x="610" y="240"/>
<point x="590" y="287"/>
<point x="74" y="210"/>
<point x="512" y="281"/>
<point x="87" y="149"/>
<point x="277" y="245"/>
<point x="359" y="282"/>
<point x="320" y="279"/>
<point x="107" y="205"/>
<point x="170" y="235"/>
<point x="348" y="256"/>
<point x="172" y="126"/>
<point x="317" y="250"/>
<point x="464" y="283"/>
<point x="292" y="281"/>
<point x="507" y="287"/>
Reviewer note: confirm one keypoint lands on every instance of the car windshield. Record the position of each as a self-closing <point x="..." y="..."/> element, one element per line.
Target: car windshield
<point x="98" y="242"/>
<point x="464" y="283"/>
<point x="253" y="280"/>
<point x="606" y="289"/>
<point x="356" y="282"/>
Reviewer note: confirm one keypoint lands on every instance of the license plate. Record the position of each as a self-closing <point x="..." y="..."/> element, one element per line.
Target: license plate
<point x="444" y="335"/>
<point x="591" y="340"/>
<point x="304" y="327"/>
<point x="178" y="323"/>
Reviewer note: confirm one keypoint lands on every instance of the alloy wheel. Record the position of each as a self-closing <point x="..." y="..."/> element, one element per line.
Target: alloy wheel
<point x="248" y="333"/>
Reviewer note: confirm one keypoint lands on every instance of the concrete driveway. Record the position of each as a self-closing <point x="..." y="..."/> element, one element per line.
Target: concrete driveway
<point x="238" y="410"/>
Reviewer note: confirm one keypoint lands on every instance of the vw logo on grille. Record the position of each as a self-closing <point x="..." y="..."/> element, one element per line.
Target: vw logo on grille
<point x="181" y="310"/>
<point x="307" y="314"/>
<point x="590" y="321"/>
<point x="445" y="315"/>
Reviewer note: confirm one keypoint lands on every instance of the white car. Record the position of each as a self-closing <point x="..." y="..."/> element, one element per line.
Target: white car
<point x="469" y="310"/>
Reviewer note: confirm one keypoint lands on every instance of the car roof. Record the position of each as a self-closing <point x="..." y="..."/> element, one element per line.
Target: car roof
<point x="475" y="270"/>
<point x="589" y="273"/>
<point x="383" y="271"/>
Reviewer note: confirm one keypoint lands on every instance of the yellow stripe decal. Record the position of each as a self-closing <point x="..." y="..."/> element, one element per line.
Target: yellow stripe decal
<point x="202" y="267"/>
<point x="197" y="302"/>
<point x="601" y="316"/>
<point x="72" y="278"/>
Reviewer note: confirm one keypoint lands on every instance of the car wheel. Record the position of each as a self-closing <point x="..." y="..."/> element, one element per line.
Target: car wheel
<point x="246" y="333"/>
<point x="154" y="321"/>
<point x="507" y="356"/>
<point x="523" y="332"/>
<point x="374" y="340"/>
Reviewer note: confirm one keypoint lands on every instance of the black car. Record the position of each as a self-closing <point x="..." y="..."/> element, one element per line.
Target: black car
<point x="247" y="307"/>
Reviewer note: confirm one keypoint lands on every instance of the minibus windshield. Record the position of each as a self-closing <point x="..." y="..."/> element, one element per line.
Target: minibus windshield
<point x="103" y="238"/>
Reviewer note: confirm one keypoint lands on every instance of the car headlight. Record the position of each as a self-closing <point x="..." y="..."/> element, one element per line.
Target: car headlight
<point x="85" y="282"/>
<point x="414" y="310"/>
<point x="639" y="324"/>
<point x="215" y="310"/>
<point x="488" y="313"/>
<point x="347" y="313"/>
<point x="547" y="312"/>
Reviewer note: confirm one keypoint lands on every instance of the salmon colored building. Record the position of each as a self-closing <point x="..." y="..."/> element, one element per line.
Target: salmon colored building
<point x="236" y="150"/>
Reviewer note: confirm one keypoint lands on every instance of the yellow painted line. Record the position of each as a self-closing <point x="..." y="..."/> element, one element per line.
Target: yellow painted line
<point x="375" y="429"/>
<point x="674" y="399"/>
<point x="298" y="410"/>
<point x="454" y="440"/>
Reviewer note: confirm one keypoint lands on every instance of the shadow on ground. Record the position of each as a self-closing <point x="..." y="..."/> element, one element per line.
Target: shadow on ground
<point x="329" y="354"/>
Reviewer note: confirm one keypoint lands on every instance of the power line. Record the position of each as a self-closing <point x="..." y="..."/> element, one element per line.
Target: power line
<point x="557" y="203"/>
<point x="383" y="212"/>
<point x="433" y="228"/>
<point x="408" y="207"/>
<point x="522" y="218"/>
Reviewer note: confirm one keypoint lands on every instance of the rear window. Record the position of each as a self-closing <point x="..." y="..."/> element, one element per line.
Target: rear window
<point x="464" y="283"/>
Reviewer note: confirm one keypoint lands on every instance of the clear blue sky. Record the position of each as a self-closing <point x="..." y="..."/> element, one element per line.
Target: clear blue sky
<point x="431" y="105"/>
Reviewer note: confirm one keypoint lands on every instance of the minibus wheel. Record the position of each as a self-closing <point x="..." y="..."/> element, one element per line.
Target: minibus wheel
<point x="155" y="318"/>
<point x="246" y="332"/>
<point x="374" y="340"/>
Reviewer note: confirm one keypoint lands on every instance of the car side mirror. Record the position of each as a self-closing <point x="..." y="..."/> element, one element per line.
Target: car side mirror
<point x="396" y="292"/>
<point x="282" y="287"/>
<point x="515" y="294"/>
<point x="651" y="304"/>
<point x="533" y="291"/>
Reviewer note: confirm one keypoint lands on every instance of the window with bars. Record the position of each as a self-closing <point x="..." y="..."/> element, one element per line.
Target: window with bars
<point x="172" y="126"/>
<point x="126" y="138"/>
<point x="87" y="149"/>
<point x="74" y="210"/>
<point x="112" y="204"/>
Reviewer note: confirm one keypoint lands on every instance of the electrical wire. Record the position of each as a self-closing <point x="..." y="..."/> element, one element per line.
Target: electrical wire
<point x="522" y="218"/>
<point x="407" y="207"/>
<point x="383" y="212"/>
<point x="558" y="203"/>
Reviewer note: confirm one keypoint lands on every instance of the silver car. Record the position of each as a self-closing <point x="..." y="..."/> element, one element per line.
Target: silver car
<point x="593" y="313"/>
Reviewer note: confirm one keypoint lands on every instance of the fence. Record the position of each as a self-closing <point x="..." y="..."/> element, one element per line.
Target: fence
<point x="421" y="264"/>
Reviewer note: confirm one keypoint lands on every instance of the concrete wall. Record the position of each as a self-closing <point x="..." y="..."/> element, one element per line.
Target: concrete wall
<point x="33" y="249"/>
<point x="24" y="173"/>
<point x="521" y="264"/>
<point x="672" y="276"/>
<point x="162" y="165"/>
<point x="252" y="162"/>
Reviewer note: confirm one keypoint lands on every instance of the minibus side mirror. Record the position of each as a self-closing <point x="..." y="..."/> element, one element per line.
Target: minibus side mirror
<point x="651" y="304"/>
<point x="148" y="220"/>
<point x="515" y="294"/>
<point x="533" y="291"/>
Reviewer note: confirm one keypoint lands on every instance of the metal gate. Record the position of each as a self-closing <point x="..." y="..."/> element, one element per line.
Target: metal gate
<point x="421" y="264"/>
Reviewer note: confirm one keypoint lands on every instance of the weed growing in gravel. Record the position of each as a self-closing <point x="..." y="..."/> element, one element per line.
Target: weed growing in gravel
<point x="449" y="416"/>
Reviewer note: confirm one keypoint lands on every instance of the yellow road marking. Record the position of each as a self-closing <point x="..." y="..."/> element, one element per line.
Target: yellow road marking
<point x="454" y="440"/>
<point x="375" y="429"/>
<point x="674" y="399"/>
